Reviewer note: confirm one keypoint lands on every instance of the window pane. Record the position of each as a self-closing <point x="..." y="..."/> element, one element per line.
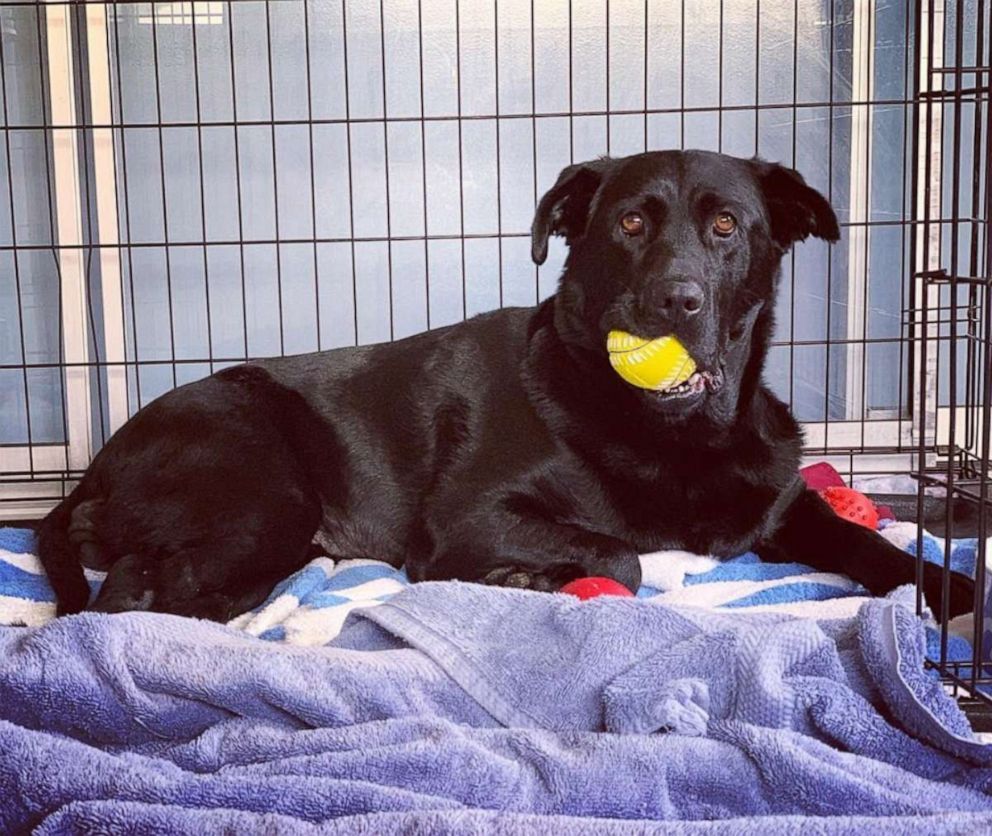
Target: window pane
<point x="31" y="395"/>
<point x="255" y="141"/>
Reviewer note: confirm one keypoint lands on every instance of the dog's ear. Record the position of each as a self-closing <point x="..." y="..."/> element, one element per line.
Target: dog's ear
<point x="564" y="210"/>
<point x="795" y="210"/>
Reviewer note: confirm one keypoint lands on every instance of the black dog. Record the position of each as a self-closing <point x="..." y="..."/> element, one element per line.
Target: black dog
<point x="505" y="449"/>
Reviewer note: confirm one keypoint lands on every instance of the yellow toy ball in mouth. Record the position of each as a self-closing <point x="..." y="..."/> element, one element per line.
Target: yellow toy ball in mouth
<point x="658" y="364"/>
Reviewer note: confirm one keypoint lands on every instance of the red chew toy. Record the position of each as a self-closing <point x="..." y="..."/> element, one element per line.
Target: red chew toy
<point x="851" y="505"/>
<point x="586" y="588"/>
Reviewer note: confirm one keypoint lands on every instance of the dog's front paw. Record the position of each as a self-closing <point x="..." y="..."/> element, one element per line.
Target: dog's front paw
<point x="130" y="585"/>
<point x="550" y="579"/>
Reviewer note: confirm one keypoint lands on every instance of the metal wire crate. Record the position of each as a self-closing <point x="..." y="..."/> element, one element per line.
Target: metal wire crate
<point x="235" y="179"/>
<point x="185" y="185"/>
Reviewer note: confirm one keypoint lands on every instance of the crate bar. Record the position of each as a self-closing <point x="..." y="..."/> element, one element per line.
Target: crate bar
<point x="488" y="117"/>
<point x="273" y="241"/>
<point x="165" y="194"/>
<point x="274" y="140"/>
<point x="423" y="154"/>
<point x="916" y="356"/>
<point x="906" y="232"/>
<point x="972" y="360"/>
<point x="964" y="70"/>
<point x="29" y="449"/>
<point x="205" y="260"/>
<point x="461" y="164"/>
<point x="98" y="421"/>
<point x="978" y="635"/>
<point x="127" y="213"/>
<point x="926" y="246"/>
<point x="105" y="178"/>
<point x="830" y="261"/>
<point x="313" y="176"/>
<point x="351" y="172"/>
<point x="385" y="166"/>
<point x="237" y="178"/>
<point x="952" y="353"/>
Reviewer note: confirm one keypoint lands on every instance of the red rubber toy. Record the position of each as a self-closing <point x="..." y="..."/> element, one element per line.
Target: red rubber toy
<point x="586" y="588"/>
<point x="851" y="505"/>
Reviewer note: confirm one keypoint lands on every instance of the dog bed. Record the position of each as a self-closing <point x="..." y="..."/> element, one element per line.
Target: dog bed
<point x="706" y="706"/>
<point x="309" y="607"/>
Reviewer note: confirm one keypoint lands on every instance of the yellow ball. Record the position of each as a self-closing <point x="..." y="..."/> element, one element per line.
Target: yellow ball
<point x="657" y="364"/>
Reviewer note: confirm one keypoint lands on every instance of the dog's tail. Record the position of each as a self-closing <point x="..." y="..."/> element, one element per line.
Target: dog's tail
<point x="60" y="556"/>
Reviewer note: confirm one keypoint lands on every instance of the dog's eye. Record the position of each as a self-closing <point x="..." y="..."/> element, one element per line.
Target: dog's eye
<point x="632" y="224"/>
<point x="724" y="223"/>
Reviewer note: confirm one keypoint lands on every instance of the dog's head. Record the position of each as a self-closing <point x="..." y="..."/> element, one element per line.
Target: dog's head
<point x="679" y="242"/>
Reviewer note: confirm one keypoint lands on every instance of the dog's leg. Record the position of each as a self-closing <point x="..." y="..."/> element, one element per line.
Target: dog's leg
<point x="811" y="533"/>
<point x="200" y="582"/>
<point x="530" y="554"/>
<point x="222" y="575"/>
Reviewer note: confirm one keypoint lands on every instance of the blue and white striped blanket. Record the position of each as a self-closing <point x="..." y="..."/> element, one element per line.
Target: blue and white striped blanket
<point x="309" y="607"/>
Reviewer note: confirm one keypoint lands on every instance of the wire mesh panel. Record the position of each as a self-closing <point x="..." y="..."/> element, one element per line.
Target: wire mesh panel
<point x="193" y="183"/>
<point x="952" y="321"/>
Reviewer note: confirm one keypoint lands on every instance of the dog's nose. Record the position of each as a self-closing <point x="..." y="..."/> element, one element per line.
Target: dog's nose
<point x="681" y="298"/>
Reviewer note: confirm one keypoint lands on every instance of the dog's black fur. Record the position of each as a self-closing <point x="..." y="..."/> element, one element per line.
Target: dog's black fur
<point x="504" y="449"/>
